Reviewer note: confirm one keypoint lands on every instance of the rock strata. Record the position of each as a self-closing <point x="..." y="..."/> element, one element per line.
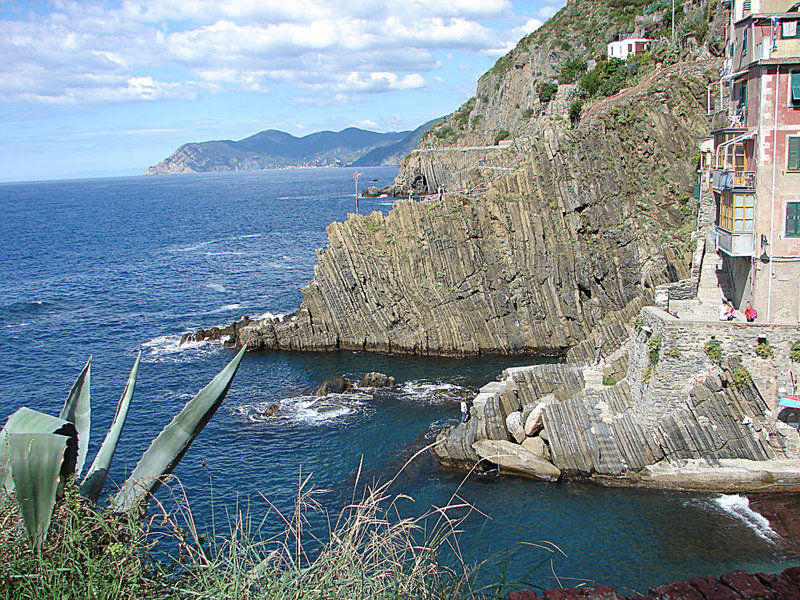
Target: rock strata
<point x="573" y="240"/>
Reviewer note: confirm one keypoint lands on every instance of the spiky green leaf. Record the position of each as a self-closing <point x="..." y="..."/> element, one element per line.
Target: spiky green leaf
<point x="36" y="461"/>
<point x="77" y="409"/>
<point x="27" y="420"/>
<point x="95" y="478"/>
<point x="174" y="440"/>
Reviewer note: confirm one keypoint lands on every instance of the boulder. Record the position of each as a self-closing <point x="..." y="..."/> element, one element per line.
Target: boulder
<point x="514" y="426"/>
<point x="334" y="385"/>
<point x="534" y="422"/>
<point x="270" y="410"/>
<point x="513" y="458"/>
<point x="537" y="446"/>
<point x="371" y="191"/>
<point x="376" y="380"/>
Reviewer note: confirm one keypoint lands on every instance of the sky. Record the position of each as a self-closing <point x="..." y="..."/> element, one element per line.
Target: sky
<point x="99" y="88"/>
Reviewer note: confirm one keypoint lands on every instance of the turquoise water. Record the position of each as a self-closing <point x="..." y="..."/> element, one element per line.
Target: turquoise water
<point x="113" y="266"/>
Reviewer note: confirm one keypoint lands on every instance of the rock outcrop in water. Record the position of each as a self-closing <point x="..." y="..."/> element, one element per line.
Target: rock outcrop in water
<point x="574" y="239"/>
<point x="676" y="420"/>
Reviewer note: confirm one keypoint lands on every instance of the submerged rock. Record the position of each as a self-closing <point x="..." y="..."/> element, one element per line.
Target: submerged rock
<point x="271" y="410"/>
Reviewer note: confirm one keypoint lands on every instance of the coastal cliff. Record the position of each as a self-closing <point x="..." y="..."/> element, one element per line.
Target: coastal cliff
<point x="575" y="238"/>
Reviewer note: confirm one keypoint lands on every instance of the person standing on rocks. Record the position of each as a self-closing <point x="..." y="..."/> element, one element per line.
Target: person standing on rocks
<point x="464" y="407"/>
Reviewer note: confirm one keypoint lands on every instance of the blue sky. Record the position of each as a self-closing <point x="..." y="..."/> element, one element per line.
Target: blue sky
<point x="92" y="89"/>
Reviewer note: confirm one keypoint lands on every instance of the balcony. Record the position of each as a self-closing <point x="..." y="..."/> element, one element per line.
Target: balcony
<point x="723" y="180"/>
<point x="734" y="244"/>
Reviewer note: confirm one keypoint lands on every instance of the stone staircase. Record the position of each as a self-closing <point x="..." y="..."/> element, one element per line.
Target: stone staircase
<point x="714" y="285"/>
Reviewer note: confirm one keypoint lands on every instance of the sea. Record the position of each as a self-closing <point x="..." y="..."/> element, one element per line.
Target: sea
<point x="109" y="268"/>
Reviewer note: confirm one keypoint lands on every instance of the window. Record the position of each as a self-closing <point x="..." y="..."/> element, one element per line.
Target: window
<point x="736" y="212"/>
<point x="793" y="219"/>
<point x="744" y="41"/>
<point x="793" y="164"/>
<point x="794" y="91"/>
<point x="789" y="30"/>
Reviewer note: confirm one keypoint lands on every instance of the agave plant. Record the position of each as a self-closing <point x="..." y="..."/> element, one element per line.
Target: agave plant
<point x="38" y="452"/>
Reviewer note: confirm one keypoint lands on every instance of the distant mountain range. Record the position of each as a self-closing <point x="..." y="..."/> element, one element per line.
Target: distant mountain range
<point x="273" y="149"/>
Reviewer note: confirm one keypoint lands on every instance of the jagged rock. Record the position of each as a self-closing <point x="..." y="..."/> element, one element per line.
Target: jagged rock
<point x="555" y="249"/>
<point x="376" y="380"/>
<point x="334" y="385"/>
<point x="370" y="191"/>
<point x="534" y="423"/>
<point x="270" y="411"/>
<point x="536" y="445"/>
<point x="511" y="457"/>
<point x="514" y="426"/>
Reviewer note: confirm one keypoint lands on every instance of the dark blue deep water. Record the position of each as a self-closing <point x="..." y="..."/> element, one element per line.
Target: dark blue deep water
<point x="109" y="267"/>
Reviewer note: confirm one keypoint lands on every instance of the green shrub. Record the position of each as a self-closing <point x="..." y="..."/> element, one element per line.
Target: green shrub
<point x="647" y="374"/>
<point x="795" y="351"/>
<point x="638" y="324"/>
<point x="741" y="378"/>
<point x="575" y="111"/>
<point x="764" y="349"/>
<point x="528" y="113"/>
<point x="500" y="136"/>
<point x="609" y="380"/>
<point x="713" y="350"/>
<point x="547" y="91"/>
<point x="571" y="69"/>
<point x="654" y="348"/>
<point x="672" y="353"/>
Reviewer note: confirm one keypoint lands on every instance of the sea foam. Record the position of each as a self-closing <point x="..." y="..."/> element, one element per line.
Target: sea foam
<point x="739" y="507"/>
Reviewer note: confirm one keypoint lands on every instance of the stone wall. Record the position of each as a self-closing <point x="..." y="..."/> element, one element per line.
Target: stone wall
<point x="683" y="361"/>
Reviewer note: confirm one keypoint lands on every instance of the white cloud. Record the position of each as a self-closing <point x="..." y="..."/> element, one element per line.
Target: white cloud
<point x="94" y="51"/>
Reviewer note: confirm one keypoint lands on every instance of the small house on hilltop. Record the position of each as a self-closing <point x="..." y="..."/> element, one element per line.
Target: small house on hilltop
<point x="622" y="49"/>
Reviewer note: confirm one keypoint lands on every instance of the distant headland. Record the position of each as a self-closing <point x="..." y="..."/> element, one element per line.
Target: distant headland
<point x="272" y="149"/>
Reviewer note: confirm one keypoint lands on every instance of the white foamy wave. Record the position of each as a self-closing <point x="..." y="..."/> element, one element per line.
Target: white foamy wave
<point x="270" y="316"/>
<point x="169" y="347"/>
<point x="224" y="308"/>
<point x="430" y="392"/>
<point x="249" y="235"/>
<point x="739" y="507"/>
<point x="193" y="247"/>
<point x="226" y="253"/>
<point x="308" y="410"/>
<point x="216" y="287"/>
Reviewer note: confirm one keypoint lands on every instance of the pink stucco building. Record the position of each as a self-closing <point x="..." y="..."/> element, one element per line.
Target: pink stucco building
<point x="756" y="163"/>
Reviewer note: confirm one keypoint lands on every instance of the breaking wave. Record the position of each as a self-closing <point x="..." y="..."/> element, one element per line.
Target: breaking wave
<point x="309" y="410"/>
<point x="739" y="507"/>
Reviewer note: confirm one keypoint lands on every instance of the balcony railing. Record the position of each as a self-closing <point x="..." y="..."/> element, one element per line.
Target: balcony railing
<point x="734" y="244"/>
<point x="730" y="180"/>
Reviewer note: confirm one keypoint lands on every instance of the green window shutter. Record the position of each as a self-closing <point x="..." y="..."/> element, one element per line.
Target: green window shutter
<point x="793" y="218"/>
<point x="796" y="86"/>
<point x="794" y="154"/>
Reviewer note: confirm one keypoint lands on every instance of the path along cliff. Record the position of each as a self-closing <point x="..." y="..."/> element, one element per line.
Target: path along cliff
<point x="574" y="239"/>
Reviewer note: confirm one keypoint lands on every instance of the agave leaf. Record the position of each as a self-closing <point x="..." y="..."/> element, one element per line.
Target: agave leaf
<point x="174" y="440"/>
<point x="27" y="420"/>
<point x="77" y="409"/>
<point x="95" y="478"/>
<point x="36" y="461"/>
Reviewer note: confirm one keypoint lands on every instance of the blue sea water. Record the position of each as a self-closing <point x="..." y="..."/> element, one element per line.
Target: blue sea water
<point x="109" y="267"/>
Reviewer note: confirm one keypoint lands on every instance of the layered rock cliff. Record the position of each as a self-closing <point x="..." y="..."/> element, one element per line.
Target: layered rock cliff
<point x="575" y="237"/>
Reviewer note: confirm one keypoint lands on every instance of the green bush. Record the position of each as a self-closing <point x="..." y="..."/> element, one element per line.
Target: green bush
<point x="672" y="353"/>
<point x="638" y="324"/>
<point x="547" y="91"/>
<point x="528" y="113"/>
<point x="795" y="351"/>
<point x="654" y="349"/>
<point x="609" y="380"/>
<point x="606" y="79"/>
<point x="764" y="350"/>
<point x="741" y="378"/>
<point x="500" y="136"/>
<point x="713" y="350"/>
<point x="571" y="69"/>
<point x="575" y="111"/>
<point x="647" y="374"/>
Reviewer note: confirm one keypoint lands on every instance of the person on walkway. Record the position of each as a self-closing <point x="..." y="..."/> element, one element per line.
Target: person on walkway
<point x="750" y="313"/>
<point x="464" y="407"/>
<point x="731" y="311"/>
<point x="598" y="348"/>
<point x="724" y="310"/>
